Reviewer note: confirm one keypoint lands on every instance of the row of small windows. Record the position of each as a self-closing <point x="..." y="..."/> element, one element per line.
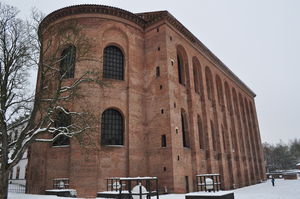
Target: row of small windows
<point x="112" y="128"/>
<point x="113" y="63"/>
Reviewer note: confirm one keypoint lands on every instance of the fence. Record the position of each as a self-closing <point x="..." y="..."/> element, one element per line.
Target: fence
<point x="17" y="186"/>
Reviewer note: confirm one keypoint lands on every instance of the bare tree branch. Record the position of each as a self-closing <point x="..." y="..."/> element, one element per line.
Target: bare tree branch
<point x="20" y="51"/>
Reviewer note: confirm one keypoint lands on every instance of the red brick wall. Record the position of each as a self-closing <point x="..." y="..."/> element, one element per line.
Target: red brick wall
<point x="140" y="98"/>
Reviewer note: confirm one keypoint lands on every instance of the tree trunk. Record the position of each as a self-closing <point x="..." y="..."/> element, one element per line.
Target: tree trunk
<point x="3" y="185"/>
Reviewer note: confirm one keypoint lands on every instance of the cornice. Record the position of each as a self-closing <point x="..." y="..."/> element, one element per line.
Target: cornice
<point x="153" y="17"/>
<point x="90" y="9"/>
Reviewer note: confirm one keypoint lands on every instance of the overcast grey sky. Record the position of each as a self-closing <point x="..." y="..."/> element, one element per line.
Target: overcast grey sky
<point x="259" y="40"/>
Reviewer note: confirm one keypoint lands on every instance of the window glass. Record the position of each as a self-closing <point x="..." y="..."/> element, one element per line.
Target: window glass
<point x="113" y="66"/>
<point x="111" y="128"/>
<point x="62" y="121"/>
<point x="67" y="62"/>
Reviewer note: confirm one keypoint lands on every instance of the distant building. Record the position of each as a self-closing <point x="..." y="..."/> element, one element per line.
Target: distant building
<point x="18" y="173"/>
<point x="275" y="174"/>
<point x="172" y="108"/>
<point x="291" y="174"/>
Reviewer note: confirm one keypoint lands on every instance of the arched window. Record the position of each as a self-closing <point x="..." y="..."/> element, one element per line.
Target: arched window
<point x="219" y="90"/>
<point x="62" y="123"/>
<point x="200" y="132"/>
<point x="67" y="62"/>
<point x="111" y="127"/>
<point x="244" y="124"/>
<point x="249" y="122"/>
<point x="196" y="77"/>
<point x="209" y="83"/>
<point x="185" y="130"/>
<point x="238" y="118"/>
<point x="180" y="66"/>
<point x="113" y="63"/>
<point x="253" y="125"/>
<point x="228" y="97"/>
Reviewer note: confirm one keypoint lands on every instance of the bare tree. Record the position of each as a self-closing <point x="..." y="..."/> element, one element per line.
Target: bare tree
<point x="47" y="118"/>
<point x="280" y="156"/>
<point x="295" y="149"/>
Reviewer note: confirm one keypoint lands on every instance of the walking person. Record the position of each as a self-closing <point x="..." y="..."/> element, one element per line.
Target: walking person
<point x="273" y="181"/>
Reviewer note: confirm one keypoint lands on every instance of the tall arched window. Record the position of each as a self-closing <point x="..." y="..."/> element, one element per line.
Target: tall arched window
<point x="253" y="125"/>
<point x="180" y="66"/>
<point x="111" y="127"/>
<point x="67" y="62"/>
<point x="209" y="83"/>
<point x="113" y="63"/>
<point x="228" y="97"/>
<point x="196" y="77"/>
<point x="62" y="123"/>
<point x="244" y="124"/>
<point x="238" y="120"/>
<point x="219" y="90"/>
<point x="185" y="130"/>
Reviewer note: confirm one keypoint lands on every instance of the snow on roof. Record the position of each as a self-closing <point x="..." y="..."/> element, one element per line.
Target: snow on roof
<point x="133" y="178"/>
<point x="60" y="190"/>
<point x="202" y="193"/>
<point x="139" y="178"/>
<point x="112" y="192"/>
<point x="210" y="174"/>
<point x="298" y="164"/>
<point x="292" y="171"/>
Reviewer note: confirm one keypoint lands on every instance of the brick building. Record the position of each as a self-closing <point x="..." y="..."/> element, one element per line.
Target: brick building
<point x="172" y="108"/>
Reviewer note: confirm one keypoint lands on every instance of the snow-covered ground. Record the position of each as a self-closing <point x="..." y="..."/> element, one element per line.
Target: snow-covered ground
<point x="284" y="189"/>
